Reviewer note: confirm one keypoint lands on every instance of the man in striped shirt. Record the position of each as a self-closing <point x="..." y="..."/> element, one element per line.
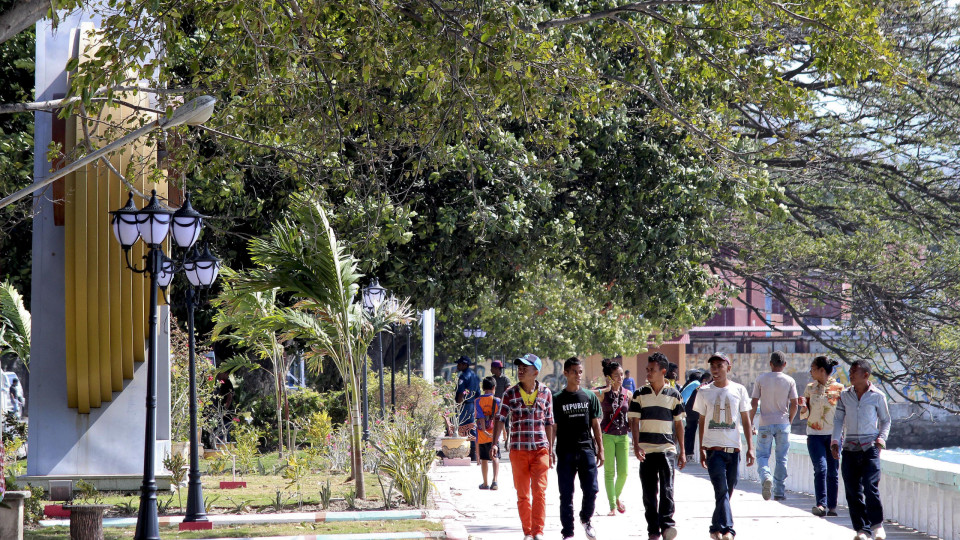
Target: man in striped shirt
<point x="656" y="422"/>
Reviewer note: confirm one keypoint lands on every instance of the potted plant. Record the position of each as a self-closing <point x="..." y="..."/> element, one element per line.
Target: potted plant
<point x="456" y="440"/>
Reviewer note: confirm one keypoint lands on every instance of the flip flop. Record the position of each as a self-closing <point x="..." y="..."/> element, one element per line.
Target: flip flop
<point x="620" y="507"/>
<point x="493" y="486"/>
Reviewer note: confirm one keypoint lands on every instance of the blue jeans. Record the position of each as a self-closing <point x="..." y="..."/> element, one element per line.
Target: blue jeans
<point x="826" y="481"/>
<point x="766" y="435"/>
<point x="861" y="480"/>
<point x="723" y="468"/>
<point x="582" y="464"/>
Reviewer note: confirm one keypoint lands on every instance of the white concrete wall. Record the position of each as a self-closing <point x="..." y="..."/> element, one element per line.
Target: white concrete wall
<point x="109" y="440"/>
<point x="917" y="492"/>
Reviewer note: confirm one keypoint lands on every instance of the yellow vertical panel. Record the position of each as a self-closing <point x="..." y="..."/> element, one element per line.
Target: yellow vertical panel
<point x="81" y="291"/>
<point x="114" y="282"/>
<point x="69" y="263"/>
<point x="102" y="221"/>
<point x="139" y="307"/>
<point x="93" y="289"/>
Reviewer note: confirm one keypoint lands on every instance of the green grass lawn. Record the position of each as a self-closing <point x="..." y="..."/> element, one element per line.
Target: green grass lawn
<point x="59" y="533"/>
<point x="260" y="495"/>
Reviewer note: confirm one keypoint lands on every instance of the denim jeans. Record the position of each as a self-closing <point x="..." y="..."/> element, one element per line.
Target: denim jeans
<point x="723" y="468"/>
<point x="766" y="436"/>
<point x="861" y="481"/>
<point x="826" y="481"/>
<point x="656" y="475"/>
<point x="580" y="463"/>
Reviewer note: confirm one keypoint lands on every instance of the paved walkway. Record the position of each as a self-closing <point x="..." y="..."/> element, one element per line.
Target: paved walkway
<point x="492" y="515"/>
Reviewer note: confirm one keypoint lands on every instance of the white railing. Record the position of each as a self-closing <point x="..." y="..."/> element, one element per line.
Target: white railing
<point x="917" y="492"/>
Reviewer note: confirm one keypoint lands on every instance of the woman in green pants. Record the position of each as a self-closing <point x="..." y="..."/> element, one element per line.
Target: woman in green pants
<point x="614" y="401"/>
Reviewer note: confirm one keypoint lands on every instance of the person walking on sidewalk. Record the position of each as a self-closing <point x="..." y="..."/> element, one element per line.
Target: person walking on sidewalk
<point x="488" y="406"/>
<point x="615" y="402"/>
<point x="528" y="408"/>
<point x="656" y="422"/>
<point x="818" y="406"/>
<point x="723" y="406"/>
<point x="776" y="394"/>
<point x="579" y="446"/>
<point x="468" y="388"/>
<point x="862" y="423"/>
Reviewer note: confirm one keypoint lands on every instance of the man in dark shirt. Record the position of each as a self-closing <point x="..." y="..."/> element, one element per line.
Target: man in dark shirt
<point x="502" y="383"/>
<point x="468" y="388"/>
<point x="579" y="447"/>
<point x="496" y="368"/>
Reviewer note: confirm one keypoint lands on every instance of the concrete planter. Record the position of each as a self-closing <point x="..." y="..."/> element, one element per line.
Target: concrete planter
<point x="455" y="447"/>
<point x="11" y="515"/>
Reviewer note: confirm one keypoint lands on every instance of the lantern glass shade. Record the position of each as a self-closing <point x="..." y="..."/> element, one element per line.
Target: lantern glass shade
<point x="186" y="224"/>
<point x="202" y="270"/>
<point x="482" y="333"/>
<point x="167" y="271"/>
<point x="467" y="333"/>
<point x="186" y="230"/>
<point x="124" y="224"/>
<point x="373" y="295"/>
<point x="153" y="221"/>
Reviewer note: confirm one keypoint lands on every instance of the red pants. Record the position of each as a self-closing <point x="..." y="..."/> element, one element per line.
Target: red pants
<point x="530" y="475"/>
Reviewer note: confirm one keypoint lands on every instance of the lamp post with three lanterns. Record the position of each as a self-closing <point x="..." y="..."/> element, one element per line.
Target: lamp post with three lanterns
<point x="153" y="223"/>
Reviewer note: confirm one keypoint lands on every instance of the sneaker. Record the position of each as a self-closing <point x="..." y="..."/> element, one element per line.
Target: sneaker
<point x="862" y="535"/>
<point x="878" y="532"/>
<point x="716" y="536"/>
<point x="588" y="530"/>
<point x="727" y="536"/>
<point x="819" y="511"/>
<point x="779" y="497"/>
<point x="493" y="486"/>
<point x="484" y="486"/>
<point x="767" y="489"/>
<point x="528" y="537"/>
<point x="832" y="512"/>
<point x="669" y="533"/>
<point x="654" y="537"/>
<point x="538" y="537"/>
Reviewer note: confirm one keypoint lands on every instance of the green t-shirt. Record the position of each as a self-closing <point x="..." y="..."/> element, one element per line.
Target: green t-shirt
<point x="574" y="413"/>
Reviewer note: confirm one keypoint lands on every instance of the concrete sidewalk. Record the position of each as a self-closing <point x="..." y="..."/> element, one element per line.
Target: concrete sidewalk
<point x="492" y="515"/>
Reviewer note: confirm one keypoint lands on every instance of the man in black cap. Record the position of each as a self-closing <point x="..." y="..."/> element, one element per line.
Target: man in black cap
<point x="468" y="388"/>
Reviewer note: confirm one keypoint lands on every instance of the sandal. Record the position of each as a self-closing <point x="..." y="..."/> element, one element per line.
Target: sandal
<point x="493" y="486"/>
<point x="484" y="486"/>
<point x="613" y="512"/>
<point x="620" y="507"/>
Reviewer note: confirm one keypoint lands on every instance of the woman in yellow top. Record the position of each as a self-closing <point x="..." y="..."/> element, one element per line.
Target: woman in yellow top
<point x="819" y="405"/>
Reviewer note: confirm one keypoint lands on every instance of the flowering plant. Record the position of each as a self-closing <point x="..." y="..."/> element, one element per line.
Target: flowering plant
<point x="452" y="412"/>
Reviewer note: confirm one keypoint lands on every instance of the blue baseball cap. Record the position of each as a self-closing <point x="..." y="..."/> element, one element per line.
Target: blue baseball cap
<point x="529" y="360"/>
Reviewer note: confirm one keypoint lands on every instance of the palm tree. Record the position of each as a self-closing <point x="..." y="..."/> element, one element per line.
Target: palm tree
<point x="14" y="324"/>
<point x="252" y="319"/>
<point x="301" y="256"/>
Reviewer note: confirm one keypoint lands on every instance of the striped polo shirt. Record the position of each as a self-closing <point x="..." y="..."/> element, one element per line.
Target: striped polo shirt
<point x="657" y="412"/>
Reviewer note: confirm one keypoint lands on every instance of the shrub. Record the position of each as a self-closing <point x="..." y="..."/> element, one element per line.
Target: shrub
<point x="247" y="440"/>
<point x="406" y="456"/>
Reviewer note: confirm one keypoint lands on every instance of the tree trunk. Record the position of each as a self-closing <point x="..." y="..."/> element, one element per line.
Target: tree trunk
<point x="358" y="456"/>
<point x="86" y="521"/>
<point x="21" y="16"/>
<point x="279" y="396"/>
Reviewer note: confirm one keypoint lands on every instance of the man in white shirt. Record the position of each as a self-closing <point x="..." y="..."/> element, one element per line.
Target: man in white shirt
<point x="776" y="394"/>
<point x="723" y="406"/>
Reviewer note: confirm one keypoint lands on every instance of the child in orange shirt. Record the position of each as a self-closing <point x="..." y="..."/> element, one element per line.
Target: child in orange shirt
<point x="487" y="407"/>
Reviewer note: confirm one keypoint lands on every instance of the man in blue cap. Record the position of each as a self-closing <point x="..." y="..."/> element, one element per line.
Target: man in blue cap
<point x="528" y="409"/>
<point x="468" y="388"/>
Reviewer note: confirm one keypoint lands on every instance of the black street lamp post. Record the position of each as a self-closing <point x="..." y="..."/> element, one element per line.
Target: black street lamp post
<point x="476" y="334"/>
<point x="409" y="330"/>
<point x="373" y="295"/>
<point x="153" y="223"/>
